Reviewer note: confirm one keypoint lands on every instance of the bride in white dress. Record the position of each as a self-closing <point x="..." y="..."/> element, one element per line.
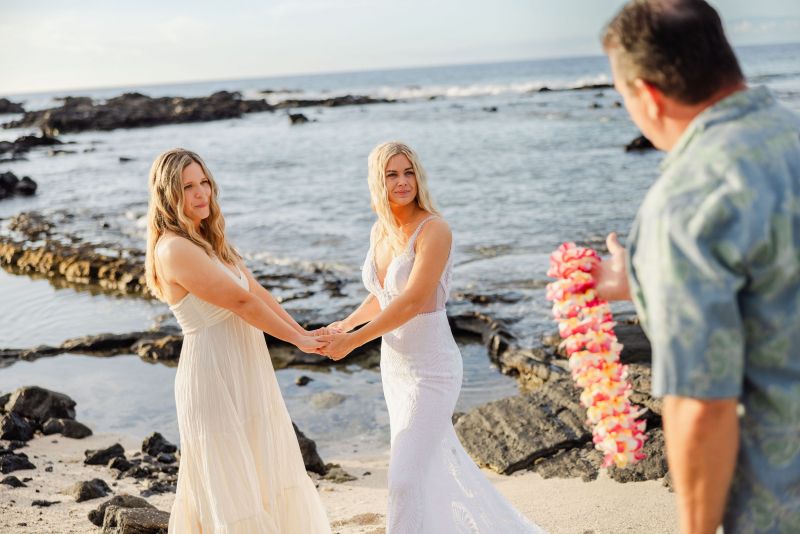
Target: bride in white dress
<point x="241" y="470"/>
<point x="434" y="486"/>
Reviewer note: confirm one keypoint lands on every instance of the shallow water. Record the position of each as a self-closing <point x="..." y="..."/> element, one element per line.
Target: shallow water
<point x="342" y="409"/>
<point x="545" y="167"/>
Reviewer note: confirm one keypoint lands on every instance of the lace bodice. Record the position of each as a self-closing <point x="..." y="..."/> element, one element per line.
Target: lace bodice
<point x="399" y="271"/>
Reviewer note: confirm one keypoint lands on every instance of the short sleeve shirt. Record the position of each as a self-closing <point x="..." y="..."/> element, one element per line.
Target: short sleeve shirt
<point x="714" y="263"/>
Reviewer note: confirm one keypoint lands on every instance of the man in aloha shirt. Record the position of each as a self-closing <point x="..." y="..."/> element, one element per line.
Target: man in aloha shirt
<point x="714" y="267"/>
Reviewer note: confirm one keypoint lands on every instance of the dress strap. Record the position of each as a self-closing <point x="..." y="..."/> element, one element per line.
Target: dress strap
<point x="413" y="238"/>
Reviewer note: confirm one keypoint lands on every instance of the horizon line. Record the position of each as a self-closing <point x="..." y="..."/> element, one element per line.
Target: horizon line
<point x="333" y="72"/>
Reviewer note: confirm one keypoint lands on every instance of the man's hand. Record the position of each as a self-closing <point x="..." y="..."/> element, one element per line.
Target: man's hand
<point x="611" y="277"/>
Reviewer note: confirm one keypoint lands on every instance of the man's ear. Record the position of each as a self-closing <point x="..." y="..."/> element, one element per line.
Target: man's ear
<point x="651" y="96"/>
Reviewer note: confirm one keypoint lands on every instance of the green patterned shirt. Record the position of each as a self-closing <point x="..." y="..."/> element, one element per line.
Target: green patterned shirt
<point x="714" y="267"/>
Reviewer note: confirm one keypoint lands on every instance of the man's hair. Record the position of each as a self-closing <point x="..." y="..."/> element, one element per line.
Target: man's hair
<point x="678" y="46"/>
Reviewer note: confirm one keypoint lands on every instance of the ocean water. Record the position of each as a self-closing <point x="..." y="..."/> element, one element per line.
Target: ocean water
<point x="515" y="172"/>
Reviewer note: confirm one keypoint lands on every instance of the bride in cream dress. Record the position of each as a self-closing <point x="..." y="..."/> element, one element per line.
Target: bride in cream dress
<point x="241" y="471"/>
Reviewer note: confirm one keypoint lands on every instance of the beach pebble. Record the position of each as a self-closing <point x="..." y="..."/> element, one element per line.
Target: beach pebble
<point x="11" y="461"/>
<point x="119" y="501"/>
<point x="40" y="404"/>
<point x="13" y="482"/>
<point x="68" y="428"/>
<point x="15" y="427"/>
<point x="155" y="444"/>
<point x="44" y="504"/>
<point x="87" y="490"/>
<point x="103" y="456"/>
<point x="135" y="520"/>
<point x="120" y="463"/>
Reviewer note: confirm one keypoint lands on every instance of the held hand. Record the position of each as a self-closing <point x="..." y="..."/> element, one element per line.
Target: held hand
<point x="339" y="326"/>
<point x="324" y="331"/>
<point x="610" y="275"/>
<point x="339" y="346"/>
<point x="310" y="344"/>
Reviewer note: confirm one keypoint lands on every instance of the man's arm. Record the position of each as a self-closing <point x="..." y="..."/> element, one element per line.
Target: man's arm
<point x="702" y="438"/>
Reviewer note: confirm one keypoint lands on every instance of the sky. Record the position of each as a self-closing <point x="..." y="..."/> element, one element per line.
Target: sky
<point x="52" y="44"/>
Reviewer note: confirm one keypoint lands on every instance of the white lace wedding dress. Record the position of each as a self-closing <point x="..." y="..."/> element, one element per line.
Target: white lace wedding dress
<point x="434" y="486"/>
<point x="241" y="471"/>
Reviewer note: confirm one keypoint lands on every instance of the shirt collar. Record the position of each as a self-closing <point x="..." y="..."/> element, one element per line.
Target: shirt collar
<point x="727" y="109"/>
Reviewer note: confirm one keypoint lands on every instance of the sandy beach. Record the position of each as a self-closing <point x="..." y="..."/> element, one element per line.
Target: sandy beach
<point x="558" y="505"/>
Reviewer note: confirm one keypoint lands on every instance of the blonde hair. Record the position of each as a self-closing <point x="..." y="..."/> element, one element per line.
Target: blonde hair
<point x="165" y="213"/>
<point x="387" y="225"/>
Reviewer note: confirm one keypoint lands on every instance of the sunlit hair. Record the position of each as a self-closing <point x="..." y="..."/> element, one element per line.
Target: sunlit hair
<point x="165" y="213"/>
<point x="388" y="227"/>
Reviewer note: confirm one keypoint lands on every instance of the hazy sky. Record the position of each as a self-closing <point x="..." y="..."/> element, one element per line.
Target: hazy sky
<point x="54" y="44"/>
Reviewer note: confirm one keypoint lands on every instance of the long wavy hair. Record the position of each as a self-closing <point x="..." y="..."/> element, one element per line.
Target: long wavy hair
<point x="388" y="228"/>
<point x="165" y="213"/>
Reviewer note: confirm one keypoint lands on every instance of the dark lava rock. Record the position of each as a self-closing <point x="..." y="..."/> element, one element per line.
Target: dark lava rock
<point x="32" y="225"/>
<point x="68" y="428"/>
<point x="653" y="467"/>
<point x="119" y="271"/>
<point x="119" y="501"/>
<point x="298" y="118"/>
<point x="13" y="482"/>
<point x="88" y="490"/>
<point x="134" y="110"/>
<point x="639" y="375"/>
<point x="490" y="109"/>
<point x="7" y="106"/>
<point x="583" y="462"/>
<point x="166" y="458"/>
<point x="107" y="344"/>
<point x="120" y="463"/>
<point x="160" y="486"/>
<point x="303" y="380"/>
<point x="23" y="145"/>
<point x="311" y="457"/>
<point x="636" y="347"/>
<point x="15" y="427"/>
<point x="26" y="187"/>
<point x="336" y="101"/>
<point x="155" y="444"/>
<point x="103" y="456"/>
<point x="11" y="185"/>
<point x="512" y="433"/>
<point x="3" y="400"/>
<point x="138" y="471"/>
<point x="44" y="504"/>
<point x="336" y="474"/>
<point x="641" y="143"/>
<point x="135" y="521"/>
<point x="165" y="349"/>
<point x="40" y="404"/>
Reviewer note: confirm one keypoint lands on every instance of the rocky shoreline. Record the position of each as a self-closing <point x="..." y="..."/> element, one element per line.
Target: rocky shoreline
<point x="136" y="110"/>
<point x="151" y="470"/>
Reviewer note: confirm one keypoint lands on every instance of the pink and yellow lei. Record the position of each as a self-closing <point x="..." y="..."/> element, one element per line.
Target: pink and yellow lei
<point x="586" y="325"/>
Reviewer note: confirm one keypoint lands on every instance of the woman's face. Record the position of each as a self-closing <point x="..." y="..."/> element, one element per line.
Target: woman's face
<point x="401" y="181"/>
<point x="196" y="193"/>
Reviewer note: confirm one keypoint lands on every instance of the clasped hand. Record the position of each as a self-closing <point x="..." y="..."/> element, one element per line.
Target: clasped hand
<point x="334" y="343"/>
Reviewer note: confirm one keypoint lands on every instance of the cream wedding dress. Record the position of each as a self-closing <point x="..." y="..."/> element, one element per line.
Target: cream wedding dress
<point x="434" y="486"/>
<point x="241" y="471"/>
